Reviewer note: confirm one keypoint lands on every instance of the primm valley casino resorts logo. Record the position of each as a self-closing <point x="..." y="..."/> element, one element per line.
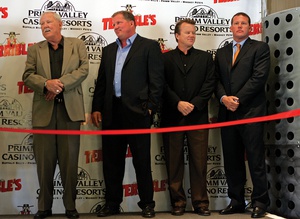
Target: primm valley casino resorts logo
<point x="217" y="185"/>
<point x="20" y="153"/>
<point x="207" y="21"/>
<point x="87" y="188"/>
<point x="72" y="19"/>
<point x="12" y="113"/>
<point x="94" y="44"/>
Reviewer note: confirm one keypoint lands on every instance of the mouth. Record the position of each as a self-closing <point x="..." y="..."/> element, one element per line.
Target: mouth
<point x="46" y="30"/>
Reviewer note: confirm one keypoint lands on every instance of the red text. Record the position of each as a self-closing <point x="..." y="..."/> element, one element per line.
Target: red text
<point x="10" y="185"/>
<point x="3" y="12"/>
<point x="23" y="89"/>
<point x="140" y="20"/>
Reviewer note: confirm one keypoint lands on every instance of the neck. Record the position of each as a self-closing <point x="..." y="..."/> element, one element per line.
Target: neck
<point x="55" y="42"/>
<point x="184" y="49"/>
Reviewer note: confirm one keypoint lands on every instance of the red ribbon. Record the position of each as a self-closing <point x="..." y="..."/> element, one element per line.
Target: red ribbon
<point x="283" y="115"/>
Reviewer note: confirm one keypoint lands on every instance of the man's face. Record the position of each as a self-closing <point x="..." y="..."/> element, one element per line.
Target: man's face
<point x="240" y="28"/>
<point x="123" y="28"/>
<point x="50" y="26"/>
<point x="187" y="35"/>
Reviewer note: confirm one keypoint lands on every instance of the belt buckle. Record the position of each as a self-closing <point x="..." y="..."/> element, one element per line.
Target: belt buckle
<point x="58" y="100"/>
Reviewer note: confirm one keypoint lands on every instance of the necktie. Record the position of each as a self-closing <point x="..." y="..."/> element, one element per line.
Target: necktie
<point x="237" y="51"/>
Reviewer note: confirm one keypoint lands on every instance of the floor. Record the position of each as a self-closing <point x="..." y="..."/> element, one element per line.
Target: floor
<point x="159" y="215"/>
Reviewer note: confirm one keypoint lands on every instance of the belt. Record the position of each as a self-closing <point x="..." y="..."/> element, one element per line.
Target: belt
<point x="58" y="100"/>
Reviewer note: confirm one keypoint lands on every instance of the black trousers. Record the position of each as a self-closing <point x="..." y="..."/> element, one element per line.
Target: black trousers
<point x="114" y="148"/>
<point x="236" y="141"/>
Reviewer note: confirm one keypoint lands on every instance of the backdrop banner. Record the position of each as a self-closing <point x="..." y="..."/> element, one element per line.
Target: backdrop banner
<point x="91" y="22"/>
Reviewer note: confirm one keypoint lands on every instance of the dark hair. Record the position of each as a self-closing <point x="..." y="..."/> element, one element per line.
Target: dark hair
<point x="128" y="16"/>
<point x="180" y="22"/>
<point x="243" y="14"/>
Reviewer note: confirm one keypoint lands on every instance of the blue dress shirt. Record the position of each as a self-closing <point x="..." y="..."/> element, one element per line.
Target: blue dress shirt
<point x="120" y="59"/>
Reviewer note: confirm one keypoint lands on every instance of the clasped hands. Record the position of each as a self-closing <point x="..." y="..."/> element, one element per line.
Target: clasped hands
<point x="54" y="87"/>
<point x="185" y="107"/>
<point x="231" y="102"/>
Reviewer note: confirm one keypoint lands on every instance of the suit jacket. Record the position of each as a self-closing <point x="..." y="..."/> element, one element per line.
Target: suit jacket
<point x="195" y="85"/>
<point x="142" y="80"/>
<point x="74" y="70"/>
<point x="245" y="79"/>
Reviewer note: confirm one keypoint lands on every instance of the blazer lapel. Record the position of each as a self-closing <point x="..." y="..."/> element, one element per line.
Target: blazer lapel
<point x="243" y="51"/>
<point x="177" y="60"/>
<point x="192" y="60"/>
<point x="44" y="53"/>
<point x="114" y="56"/>
<point x="136" y="44"/>
<point x="228" y="57"/>
<point x="68" y="47"/>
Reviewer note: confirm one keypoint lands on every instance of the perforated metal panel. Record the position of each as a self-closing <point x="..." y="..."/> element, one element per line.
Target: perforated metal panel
<point x="282" y="137"/>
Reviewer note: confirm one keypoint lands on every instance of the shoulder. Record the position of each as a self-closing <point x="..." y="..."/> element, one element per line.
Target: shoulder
<point x="38" y="45"/>
<point x="73" y="40"/>
<point x="142" y="39"/>
<point x="224" y="50"/>
<point x="225" y="47"/>
<point x="201" y="52"/>
<point x="257" y="43"/>
<point x="169" y="53"/>
<point x="110" y="46"/>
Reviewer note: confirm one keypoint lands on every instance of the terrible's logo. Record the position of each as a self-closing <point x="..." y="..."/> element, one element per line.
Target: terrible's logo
<point x="140" y="20"/>
<point x="25" y="209"/>
<point x="12" y="47"/>
<point x="162" y="45"/>
<point x="128" y="8"/>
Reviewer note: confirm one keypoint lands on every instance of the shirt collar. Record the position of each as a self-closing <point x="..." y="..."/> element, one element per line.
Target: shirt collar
<point x="129" y="41"/>
<point x="188" y="52"/>
<point x="241" y="43"/>
<point x="61" y="43"/>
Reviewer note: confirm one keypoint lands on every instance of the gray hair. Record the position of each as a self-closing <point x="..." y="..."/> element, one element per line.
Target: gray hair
<point x="55" y="15"/>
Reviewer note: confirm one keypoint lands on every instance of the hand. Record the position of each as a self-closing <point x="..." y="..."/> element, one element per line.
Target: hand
<point x="185" y="107"/>
<point x="49" y="96"/>
<point x="96" y="118"/>
<point x="231" y="102"/>
<point x="54" y="86"/>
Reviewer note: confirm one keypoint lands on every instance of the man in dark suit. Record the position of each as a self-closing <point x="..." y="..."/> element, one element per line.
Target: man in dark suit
<point x="128" y="91"/>
<point x="241" y="90"/>
<point x="55" y="69"/>
<point x="190" y="82"/>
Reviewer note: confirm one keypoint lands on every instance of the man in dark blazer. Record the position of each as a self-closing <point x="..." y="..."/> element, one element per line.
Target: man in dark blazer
<point x="55" y="69"/>
<point x="241" y="90"/>
<point x="190" y="83"/>
<point x="128" y="91"/>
